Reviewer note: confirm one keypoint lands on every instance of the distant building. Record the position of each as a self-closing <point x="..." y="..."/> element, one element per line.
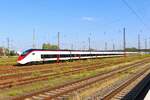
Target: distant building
<point x="2" y="51"/>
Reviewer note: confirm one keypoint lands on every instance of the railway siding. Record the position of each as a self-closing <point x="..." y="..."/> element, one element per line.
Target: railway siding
<point x="22" y="80"/>
<point x="100" y="67"/>
<point x="78" y="84"/>
<point x="98" y="90"/>
<point x="120" y="91"/>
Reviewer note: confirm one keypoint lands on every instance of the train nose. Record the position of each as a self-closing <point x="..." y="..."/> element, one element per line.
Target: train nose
<point x="20" y="58"/>
<point x="21" y="62"/>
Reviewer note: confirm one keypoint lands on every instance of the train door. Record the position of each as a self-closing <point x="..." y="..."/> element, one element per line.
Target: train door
<point x="58" y="56"/>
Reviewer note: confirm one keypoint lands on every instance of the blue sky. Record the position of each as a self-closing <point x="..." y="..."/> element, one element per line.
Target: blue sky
<point x="75" y="20"/>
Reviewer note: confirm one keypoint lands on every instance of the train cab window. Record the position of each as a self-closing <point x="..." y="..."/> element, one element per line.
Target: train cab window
<point x="26" y="52"/>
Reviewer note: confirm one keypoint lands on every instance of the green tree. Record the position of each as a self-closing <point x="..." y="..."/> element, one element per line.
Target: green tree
<point x="12" y="53"/>
<point x="133" y="49"/>
<point x="47" y="46"/>
<point x="6" y="52"/>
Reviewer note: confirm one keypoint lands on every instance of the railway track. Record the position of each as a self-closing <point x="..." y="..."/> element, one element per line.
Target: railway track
<point x="123" y="89"/>
<point x="17" y="74"/>
<point x="13" y="70"/>
<point x="19" y="79"/>
<point x="37" y="68"/>
<point x="58" y="92"/>
<point x="22" y="81"/>
<point x="25" y="72"/>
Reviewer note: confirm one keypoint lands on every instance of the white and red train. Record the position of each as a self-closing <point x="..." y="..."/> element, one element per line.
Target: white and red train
<point x="39" y="55"/>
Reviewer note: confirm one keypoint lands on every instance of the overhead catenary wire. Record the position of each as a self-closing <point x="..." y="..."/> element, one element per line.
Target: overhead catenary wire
<point x="135" y="13"/>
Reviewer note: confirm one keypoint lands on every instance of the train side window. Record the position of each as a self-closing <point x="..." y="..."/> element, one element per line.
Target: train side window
<point x="33" y="53"/>
<point x="48" y="56"/>
<point x="42" y="56"/>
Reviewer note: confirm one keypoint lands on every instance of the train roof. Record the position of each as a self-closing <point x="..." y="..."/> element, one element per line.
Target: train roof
<point x="29" y="50"/>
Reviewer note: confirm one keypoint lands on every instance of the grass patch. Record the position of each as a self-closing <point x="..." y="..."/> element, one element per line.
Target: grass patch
<point x="8" y="61"/>
<point x="35" y="74"/>
<point x="51" y="82"/>
<point x="99" y="86"/>
<point x="64" y="79"/>
<point x="14" y="93"/>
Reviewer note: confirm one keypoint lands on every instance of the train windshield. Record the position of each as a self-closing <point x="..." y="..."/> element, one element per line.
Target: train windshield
<point x="25" y="52"/>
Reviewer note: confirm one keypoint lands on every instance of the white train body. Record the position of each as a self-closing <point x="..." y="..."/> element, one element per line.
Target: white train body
<point x="36" y="55"/>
